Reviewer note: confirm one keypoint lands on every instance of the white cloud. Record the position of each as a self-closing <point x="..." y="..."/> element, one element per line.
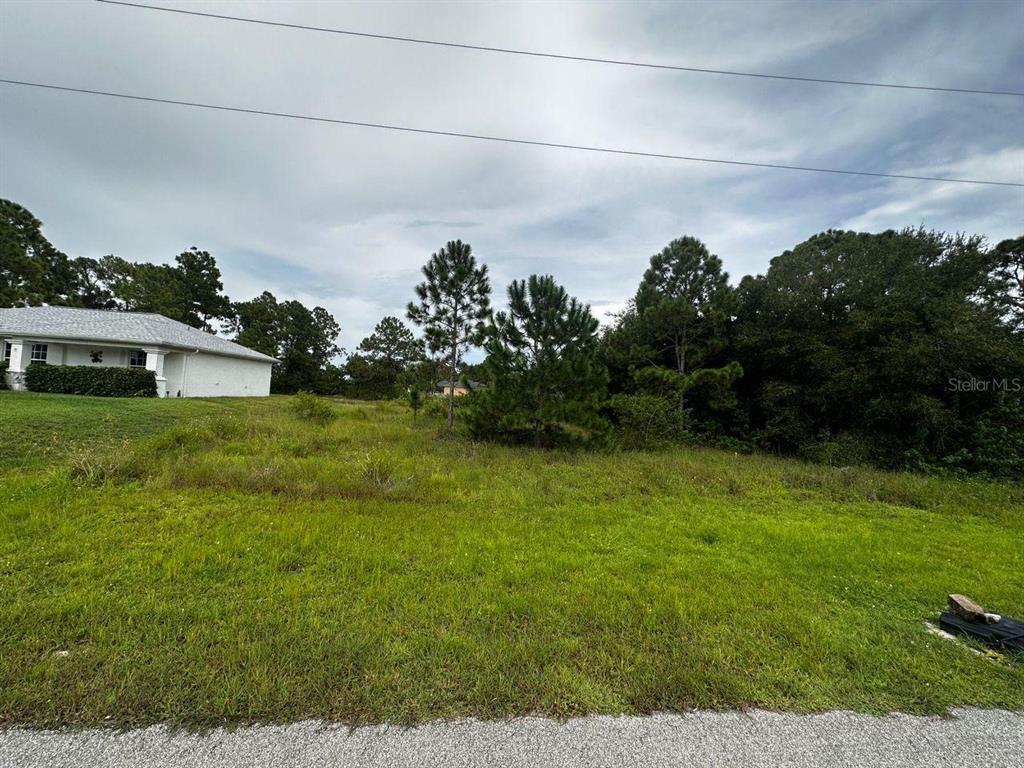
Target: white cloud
<point x="995" y="211"/>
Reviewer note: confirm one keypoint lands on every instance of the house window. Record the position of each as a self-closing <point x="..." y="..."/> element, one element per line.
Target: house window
<point x="38" y="354"/>
<point x="7" y="351"/>
<point x="137" y="359"/>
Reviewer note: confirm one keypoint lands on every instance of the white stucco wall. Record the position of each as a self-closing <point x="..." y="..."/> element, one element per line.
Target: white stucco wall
<point x="81" y="355"/>
<point x="54" y="353"/>
<point x="58" y="353"/>
<point x="174" y="372"/>
<point x="208" y="375"/>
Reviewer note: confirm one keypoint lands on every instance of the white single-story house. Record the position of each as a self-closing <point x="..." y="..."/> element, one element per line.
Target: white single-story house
<point x="187" y="362"/>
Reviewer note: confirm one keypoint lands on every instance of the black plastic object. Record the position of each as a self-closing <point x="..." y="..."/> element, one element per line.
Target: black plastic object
<point x="1006" y="634"/>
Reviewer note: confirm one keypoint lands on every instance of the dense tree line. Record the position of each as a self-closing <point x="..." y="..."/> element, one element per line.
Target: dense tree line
<point x="901" y="349"/>
<point x="34" y="272"/>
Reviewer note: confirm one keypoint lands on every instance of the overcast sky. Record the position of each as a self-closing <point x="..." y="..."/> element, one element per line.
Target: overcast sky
<point x="344" y="217"/>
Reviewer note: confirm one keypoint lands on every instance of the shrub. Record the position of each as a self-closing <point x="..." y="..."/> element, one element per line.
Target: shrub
<point x="312" y="408"/>
<point x="89" y="380"/>
<point x="415" y="401"/>
<point x="646" y="421"/>
<point x="3" y="374"/>
<point x="847" y="449"/>
<point x="995" y="446"/>
<point x="998" y="440"/>
<point x="504" y="415"/>
<point x="435" y="407"/>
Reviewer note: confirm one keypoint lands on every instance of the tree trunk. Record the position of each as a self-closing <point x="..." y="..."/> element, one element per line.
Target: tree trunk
<point x="451" y="385"/>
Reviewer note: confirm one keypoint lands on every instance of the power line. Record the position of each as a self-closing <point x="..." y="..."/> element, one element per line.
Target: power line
<point x="562" y="56"/>
<point x="506" y="140"/>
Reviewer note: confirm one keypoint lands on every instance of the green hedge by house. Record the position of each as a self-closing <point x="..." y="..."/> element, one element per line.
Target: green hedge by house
<point x="3" y="374"/>
<point x="87" y="380"/>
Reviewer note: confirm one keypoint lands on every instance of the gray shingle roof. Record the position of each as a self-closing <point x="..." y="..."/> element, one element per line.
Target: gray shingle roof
<point x="142" y="328"/>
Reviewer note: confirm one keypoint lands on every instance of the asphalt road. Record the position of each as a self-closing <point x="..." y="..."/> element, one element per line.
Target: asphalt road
<point x="989" y="738"/>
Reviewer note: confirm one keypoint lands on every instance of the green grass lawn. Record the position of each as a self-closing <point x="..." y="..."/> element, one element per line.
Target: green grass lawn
<point x="209" y="561"/>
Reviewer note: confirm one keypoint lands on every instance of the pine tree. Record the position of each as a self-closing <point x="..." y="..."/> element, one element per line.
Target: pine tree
<point x="454" y="302"/>
<point x="382" y="358"/>
<point x="415" y="401"/>
<point x="544" y="376"/>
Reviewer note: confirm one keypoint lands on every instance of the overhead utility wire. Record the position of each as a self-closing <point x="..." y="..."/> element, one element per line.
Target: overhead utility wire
<point x="506" y="140"/>
<point x="562" y="56"/>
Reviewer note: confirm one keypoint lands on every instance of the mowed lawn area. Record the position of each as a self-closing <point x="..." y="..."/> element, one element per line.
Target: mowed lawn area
<point x="214" y="561"/>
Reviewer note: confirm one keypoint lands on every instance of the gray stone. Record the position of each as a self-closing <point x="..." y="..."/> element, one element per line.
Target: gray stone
<point x="967" y="608"/>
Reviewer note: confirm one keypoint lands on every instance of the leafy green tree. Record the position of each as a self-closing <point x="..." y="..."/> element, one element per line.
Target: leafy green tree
<point x="303" y="340"/>
<point x="422" y="375"/>
<point x="382" y="357"/>
<point x="257" y="324"/>
<point x="203" y="291"/>
<point x="92" y="290"/>
<point x="307" y="346"/>
<point x="672" y="340"/>
<point x="474" y="371"/>
<point x="190" y="291"/>
<point x="144" y="287"/>
<point x="682" y="306"/>
<point x="454" y="302"/>
<point x="1008" y="279"/>
<point x="32" y="271"/>
<point x="544" y="381"/>
<point x="331" y="379"/>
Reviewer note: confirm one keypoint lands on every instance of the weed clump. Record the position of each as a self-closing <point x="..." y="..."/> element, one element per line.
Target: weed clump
<point x="312" y="408"/>
<point x="94" y="468"/>
<point x="183" y="438"/>
<point x="378" y="470"/>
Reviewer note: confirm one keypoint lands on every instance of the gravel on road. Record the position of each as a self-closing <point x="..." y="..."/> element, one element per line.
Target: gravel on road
<point x="743" y="739"/>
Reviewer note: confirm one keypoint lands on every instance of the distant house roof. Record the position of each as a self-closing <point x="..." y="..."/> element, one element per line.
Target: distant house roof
<point x="99" y="325"/>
